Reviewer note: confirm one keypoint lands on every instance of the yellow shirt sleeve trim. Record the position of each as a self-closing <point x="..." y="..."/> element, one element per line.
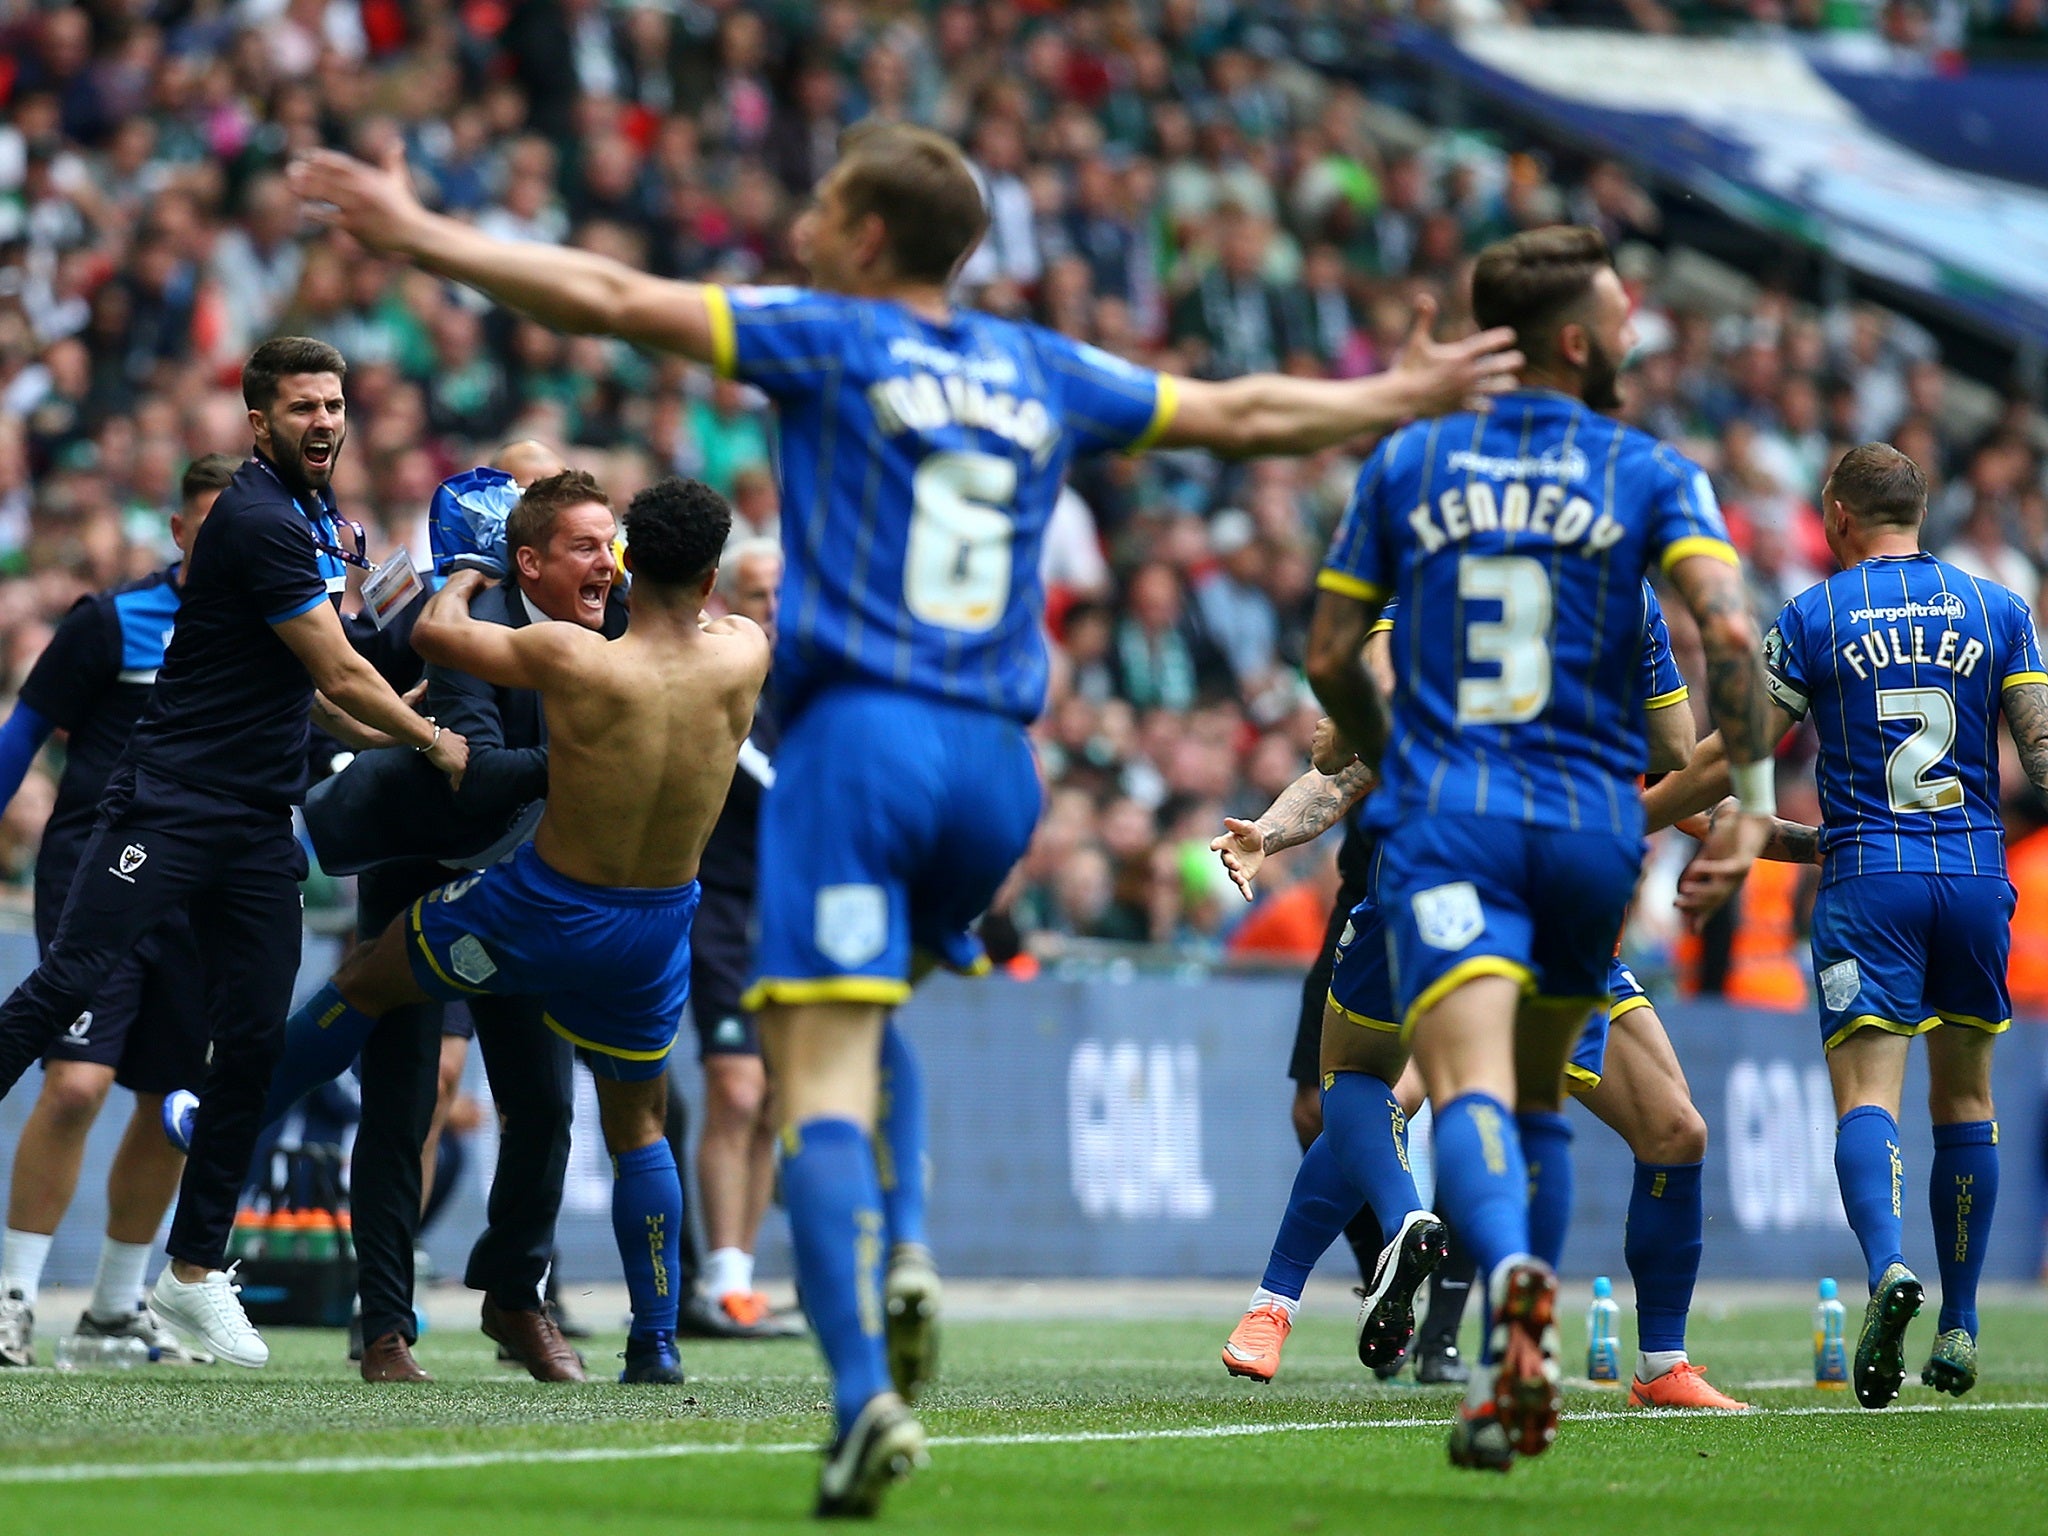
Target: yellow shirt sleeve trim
<point x="2018" y="678"/>
<point x="1699" y="544"/>
<point x="1165" y="406"/>
<point x="1349" y="586"/>
<point x="1627" y="1005"/>
<point x="1380" y="627"/>
<point x="1677" y="695"/>
<point x="725" y="336"/>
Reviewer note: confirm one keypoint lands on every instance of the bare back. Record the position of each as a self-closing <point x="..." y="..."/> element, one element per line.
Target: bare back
<point x="643" y="736"/>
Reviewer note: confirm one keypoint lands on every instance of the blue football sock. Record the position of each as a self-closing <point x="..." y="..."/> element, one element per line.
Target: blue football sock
<point x="1547" y="1146"/>
<point x="1482" y="1183"/>
<point x="1666" y="1232"/>
<point x="1872" y="1176"/>
<point x="1363" y="1123"/>
<point x="647" y="1219"/>
<point x="320" y="1040"/>
<point x="835" y="1224"/>
<point x="1962" y="1192"/>
<point x="900" y="1140"/>
<point x="1323" y="1199"/>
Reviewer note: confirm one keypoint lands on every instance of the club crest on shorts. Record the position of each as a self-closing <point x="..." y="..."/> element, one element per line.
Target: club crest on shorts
<point x="130" y="860"/>
<point x="1839" y="984"/>
<point x="851" y="923"/>
<point x="469" y="960"/>
<point x="1448" y="916"/>
<point x="80" y="1026"/>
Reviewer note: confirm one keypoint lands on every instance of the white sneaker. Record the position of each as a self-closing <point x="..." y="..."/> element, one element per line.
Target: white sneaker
<point x="207" y="1314"/>
<point x="17" y="1330"/>
<point x="164" y="1346"/>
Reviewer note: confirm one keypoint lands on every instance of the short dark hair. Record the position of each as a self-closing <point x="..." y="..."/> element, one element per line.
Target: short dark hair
<point x="531" y="522"/>
<point x="208" y="472"/>
<point x="1532" y="281"/>
<point x="1879" y="485"/>
<point x="917" y="182"/>
<point x="675" y="530"/>
<point x="280" y="358"/>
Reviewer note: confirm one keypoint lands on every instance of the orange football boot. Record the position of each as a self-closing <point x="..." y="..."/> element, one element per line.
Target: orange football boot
<point x="1685" y="1385"/>
<point x="1253" y="1348"/>
<point x="747" y="1308"/>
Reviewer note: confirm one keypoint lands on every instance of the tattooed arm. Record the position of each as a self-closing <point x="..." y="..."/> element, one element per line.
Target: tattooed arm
<point x="2026" y="711"/>
<point x="1740" y="704"/>
<point x="1306" y="809"/>
<point x="1792" y="842"/>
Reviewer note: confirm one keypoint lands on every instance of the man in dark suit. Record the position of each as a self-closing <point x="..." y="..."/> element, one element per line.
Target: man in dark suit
<point x="560" y="543"/>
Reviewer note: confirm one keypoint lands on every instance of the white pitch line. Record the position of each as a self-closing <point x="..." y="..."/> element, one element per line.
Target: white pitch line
<point x="108" y="1472"/>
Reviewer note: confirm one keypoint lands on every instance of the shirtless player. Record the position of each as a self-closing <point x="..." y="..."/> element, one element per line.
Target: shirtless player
<point x="593" y="916"/>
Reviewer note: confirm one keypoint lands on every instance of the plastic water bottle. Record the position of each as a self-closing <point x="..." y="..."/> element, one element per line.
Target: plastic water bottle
<point x="1830" y="1354"/>
<point x="80" y="1352"/>
<point x="1603" y="1336"/>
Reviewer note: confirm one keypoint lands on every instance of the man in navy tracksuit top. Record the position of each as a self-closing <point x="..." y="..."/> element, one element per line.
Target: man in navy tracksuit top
<point x="146" y="1028"/>
<point x="197" y="816"/>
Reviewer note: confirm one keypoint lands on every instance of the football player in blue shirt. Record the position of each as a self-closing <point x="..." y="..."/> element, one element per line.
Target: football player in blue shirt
<point x="1517" y="538"/>
<point x="1622" y="1068"/>
<point x="922" y="448"/>
<point x="1905" y="665"/>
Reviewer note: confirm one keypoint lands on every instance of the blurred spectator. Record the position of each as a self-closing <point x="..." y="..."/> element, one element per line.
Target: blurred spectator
<point x="1189" y="186"/>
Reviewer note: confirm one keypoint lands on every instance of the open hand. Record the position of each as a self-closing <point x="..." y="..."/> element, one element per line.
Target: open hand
<point x="450" y="754"/>
<point x="1448" y="375"/>
<point x="1243" y="851"/>
<point x="1721" y="865"/>
<point x="374" y="203"/>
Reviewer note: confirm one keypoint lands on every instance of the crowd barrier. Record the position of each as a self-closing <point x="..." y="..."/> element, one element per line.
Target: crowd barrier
<point x="1137" y="1125"/>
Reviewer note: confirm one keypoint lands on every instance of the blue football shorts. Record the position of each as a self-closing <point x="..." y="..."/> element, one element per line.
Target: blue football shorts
<point x="1471" y="896"/>
<point x="1907" y="953"/>
<point x="892" y="821"/>
<point x="610" y="964"/>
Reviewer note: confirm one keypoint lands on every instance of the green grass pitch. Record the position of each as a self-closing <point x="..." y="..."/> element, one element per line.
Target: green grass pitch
<point x="1062" y="1427"/>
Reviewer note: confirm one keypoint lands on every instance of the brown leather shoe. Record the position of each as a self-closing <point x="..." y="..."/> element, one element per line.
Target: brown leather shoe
<point x="389" y="1358"/>
<point x="535" y="1342"/>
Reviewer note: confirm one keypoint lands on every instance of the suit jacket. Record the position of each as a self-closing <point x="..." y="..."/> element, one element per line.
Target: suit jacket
<point x="391" y="803"/>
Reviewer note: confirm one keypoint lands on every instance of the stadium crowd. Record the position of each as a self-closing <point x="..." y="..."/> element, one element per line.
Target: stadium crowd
<point x="1204" y="188"/>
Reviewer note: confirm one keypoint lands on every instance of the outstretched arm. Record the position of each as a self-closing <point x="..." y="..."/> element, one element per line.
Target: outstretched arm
<point x="570" y="290"/>
<point x="1305" y="810"/>
<point x="350" y="684"/>
<point x="447" y="636"/>
<point x="1270" y="413"/>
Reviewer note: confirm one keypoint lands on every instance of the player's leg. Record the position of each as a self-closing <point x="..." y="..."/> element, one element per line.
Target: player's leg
<point x="400" y="1075"/>
<point x="163" y="1038"/>
<point x="1871" y="938"/>
<point x="1642" y="1095"/>
<point x="730" y="1144"/>
<point x="47" y="1159"/>
<point x="247" y="933"/>
<point x="1360" y="1159"/>
<point x="647" y="1210"/>
<point x="1355" y="864"/>
<point x="1967" y="987"/>
<point x="1962" y="1193"/>
<point x="827" y="1061"/>
<point x="1546" y="1137"/>
<point x="531" y="1071"/>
